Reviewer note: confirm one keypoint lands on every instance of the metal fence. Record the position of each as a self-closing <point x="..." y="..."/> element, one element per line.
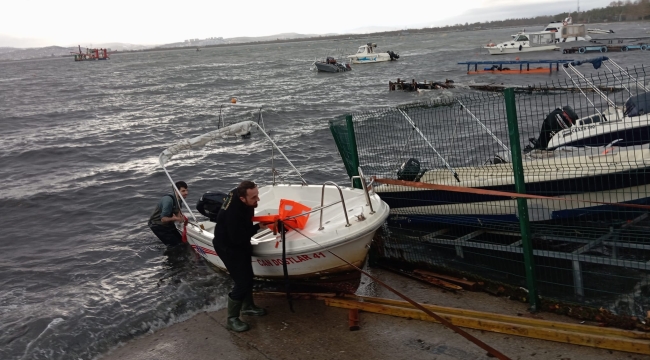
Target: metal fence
<point x="580" y="147"/>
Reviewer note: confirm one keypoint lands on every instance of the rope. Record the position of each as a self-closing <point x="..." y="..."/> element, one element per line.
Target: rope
<point x="438" y="318"/>
<point x="478" y="191"/>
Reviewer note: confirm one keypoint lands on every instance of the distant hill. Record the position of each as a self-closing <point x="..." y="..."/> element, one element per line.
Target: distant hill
<point x="117" y="46"/>
<point x="35" y="53"/>
<point x="283" y="36"/>
<point x="4" y="50"/>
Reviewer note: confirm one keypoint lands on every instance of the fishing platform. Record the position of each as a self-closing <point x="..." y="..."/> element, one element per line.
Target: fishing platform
<point x="90" y="54"/>
<point x="497" y="66"/>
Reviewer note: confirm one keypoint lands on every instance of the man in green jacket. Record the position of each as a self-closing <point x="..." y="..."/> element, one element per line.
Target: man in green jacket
<point x="167" y="212"/>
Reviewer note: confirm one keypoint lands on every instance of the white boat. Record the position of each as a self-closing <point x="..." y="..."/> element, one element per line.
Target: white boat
<point x="626" y="125"/>
<point x="605" y="175"/>
<point x="524" y="43"/>
<point x="338" y="232"/>
<point x="564" y="31"/>
<point x="368" y="54"/>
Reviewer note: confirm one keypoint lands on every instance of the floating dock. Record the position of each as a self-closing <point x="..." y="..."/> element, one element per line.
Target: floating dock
<point x="605" y="48"/>
<point x="540" y="88"/>
<point x="514" y="66"/>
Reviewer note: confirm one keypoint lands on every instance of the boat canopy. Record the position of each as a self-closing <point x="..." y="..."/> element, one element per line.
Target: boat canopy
<point x="238" y="129"/>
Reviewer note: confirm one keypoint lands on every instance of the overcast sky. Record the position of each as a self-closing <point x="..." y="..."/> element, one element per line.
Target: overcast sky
<point x="147" y="22"/>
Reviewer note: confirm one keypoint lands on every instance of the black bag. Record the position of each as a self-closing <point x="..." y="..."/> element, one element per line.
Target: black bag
<point x="210" y="203"/>
<point x="554" y="122"/>
<point x="410" y="170"/>
<point x="637" y="105"/>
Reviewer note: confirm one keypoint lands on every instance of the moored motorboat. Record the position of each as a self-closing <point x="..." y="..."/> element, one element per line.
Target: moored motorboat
<point x="339" y="222"/>
<point x="368" y="54"/>
<point x="580" y="175"/>
<point x="331" y="65"/>
<point x="524" y="43"/>
<point x="626" y="125"/>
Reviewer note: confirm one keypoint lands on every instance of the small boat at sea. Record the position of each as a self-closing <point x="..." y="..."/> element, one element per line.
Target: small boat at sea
<point x="600" y="31"/>
<point x="332" y="229"/>
<point x="524" y="43"/>
<point x="368" y="54"/>
<point x="330" y="65"/>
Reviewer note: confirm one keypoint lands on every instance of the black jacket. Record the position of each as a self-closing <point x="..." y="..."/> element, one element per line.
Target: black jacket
<point x="234" y="226"/>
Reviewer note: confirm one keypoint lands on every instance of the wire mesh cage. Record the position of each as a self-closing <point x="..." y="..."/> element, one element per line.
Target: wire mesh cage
<point x="585" y="170"/>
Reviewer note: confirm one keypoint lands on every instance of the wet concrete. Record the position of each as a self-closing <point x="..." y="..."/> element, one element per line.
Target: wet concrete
<point x="316" y="331"/>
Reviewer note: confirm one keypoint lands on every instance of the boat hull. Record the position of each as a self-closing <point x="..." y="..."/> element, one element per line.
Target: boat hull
<point x="370" y="58"/>
<point x="316" y="265"/>
<point x="496" y="50"/>
<point x="330" y="68"/>
<point x="613" y="176"/>
<point x="315" y="252"/>
<point x="629" y="132"/>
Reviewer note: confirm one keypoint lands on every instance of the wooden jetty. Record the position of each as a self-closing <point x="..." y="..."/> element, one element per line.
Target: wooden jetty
<point x="414" y="85"/>
<point x="513" y="66"/>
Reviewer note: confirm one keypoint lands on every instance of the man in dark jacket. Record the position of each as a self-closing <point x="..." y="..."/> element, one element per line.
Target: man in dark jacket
<point x="166" y="213"/>
<point x="232" y="242"/>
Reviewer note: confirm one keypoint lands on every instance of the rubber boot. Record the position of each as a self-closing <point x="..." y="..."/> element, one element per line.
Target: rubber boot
<point x="234" y="324"/>
<point x="249" y="307"/>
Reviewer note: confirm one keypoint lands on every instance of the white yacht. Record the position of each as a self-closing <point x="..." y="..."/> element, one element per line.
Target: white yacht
<point x="525" y="42"/>
<point x="567" y="32"/>
<point x="368" y="54"/>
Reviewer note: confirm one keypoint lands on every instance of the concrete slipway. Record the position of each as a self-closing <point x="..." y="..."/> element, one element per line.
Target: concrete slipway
<point x="316" y="331"/>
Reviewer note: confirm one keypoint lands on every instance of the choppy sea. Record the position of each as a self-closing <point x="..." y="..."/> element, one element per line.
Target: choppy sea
<point x="80" y="272"/>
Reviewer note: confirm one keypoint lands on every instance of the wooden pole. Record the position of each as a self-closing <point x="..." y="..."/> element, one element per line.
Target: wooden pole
<point x="612" y="339"/>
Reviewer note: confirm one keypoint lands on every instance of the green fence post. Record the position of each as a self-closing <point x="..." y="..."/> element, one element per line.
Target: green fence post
<point x="352" y="139"/>
<point x="522" y="205"/>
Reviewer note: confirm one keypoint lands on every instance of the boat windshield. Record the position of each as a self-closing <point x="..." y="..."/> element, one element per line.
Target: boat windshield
<point x="543" y="38"/>
<point x="362" y="49"/>
<point x="522" y="38"/>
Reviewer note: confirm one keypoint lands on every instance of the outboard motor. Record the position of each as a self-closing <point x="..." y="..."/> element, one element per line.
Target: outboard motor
<point x="556" y="121"/>
<point x="210" y="203"/>
<point x="392" y="55"/>
<point x="410" y="170"/>
<point x="637" y="105"/>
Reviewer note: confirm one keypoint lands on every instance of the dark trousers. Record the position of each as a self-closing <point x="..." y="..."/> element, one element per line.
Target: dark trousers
<point x="169" y="235"/>
<point x="240" y="267"/>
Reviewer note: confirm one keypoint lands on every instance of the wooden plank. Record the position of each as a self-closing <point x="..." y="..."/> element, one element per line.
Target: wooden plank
<point x="597" y="330"/>
<point x="441" y="283"/>
<point x="466" y="284"/>
<point x="571" y="337"/>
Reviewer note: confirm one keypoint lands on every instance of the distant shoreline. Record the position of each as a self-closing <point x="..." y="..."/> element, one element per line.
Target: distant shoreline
<point x="405" y="32"/>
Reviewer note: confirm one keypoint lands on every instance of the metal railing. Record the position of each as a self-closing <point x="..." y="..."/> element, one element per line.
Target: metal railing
<point x="322" y="201"/>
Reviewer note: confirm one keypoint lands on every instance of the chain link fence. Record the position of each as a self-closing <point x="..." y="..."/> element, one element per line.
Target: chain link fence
<point x="585" y="150"/>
